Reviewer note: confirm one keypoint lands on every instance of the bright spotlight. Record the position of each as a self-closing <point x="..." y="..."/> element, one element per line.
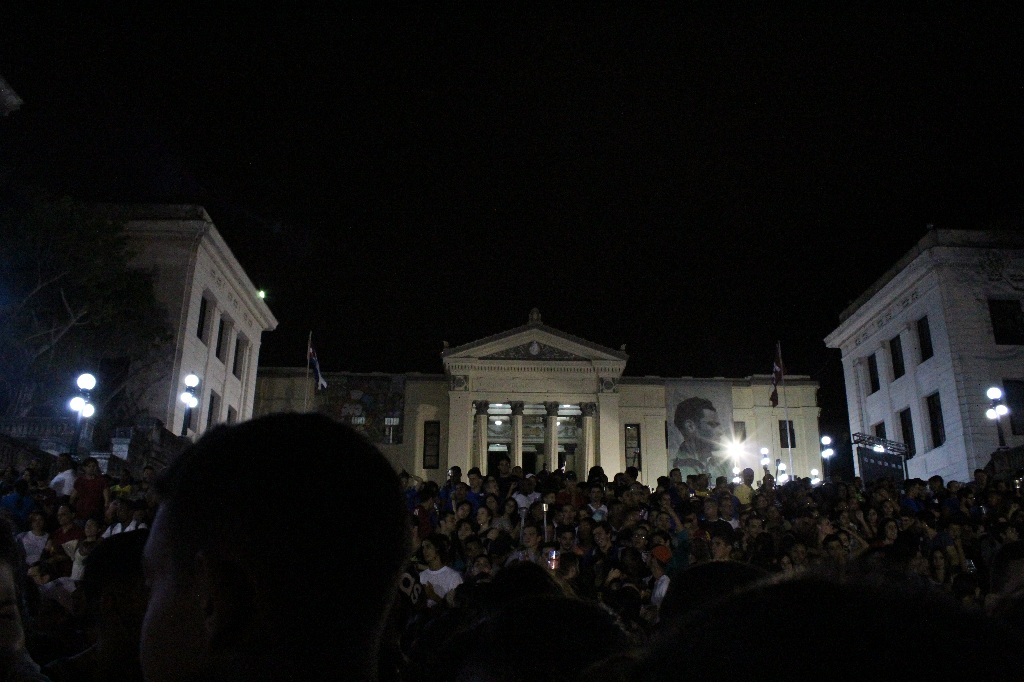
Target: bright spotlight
<point x="1001" y="410"/>
<point x="991" y="414"/>
<point x="736" y="470"/>
<point x="783" y="478"/>
<point x="86" y="381"/>
<point x="192" y="403"/>
<point x="828" y="453"/>
<point x="192" y="380"/>
<point x="781" y="468"/>
<point x="77" y="403"/>
<point x="878" y="448"/>
<point x="993" y="393"/>
<point x="186" y="397"/>
<point x="813" y="472"/>
<point x="87" y="410"/>
<point x="825" y="440"/>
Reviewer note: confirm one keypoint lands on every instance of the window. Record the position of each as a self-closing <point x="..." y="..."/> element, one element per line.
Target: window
<point x="879" y="431"/>
<point x="632" y="446"/>
<point x="899" y="369"/>
<point x="739" y="430"/>
<point x="220" y="341"/>
<point x="936" y="425"/>
<point x="231" y="415"/>
<point x="872" y="373"/>
<point x="1008" y="321"/>
<point x="432" y="444"/>
<point x="214" y="402"/>
<point x="1014" y="398"/>
<point x="906" y="428"/>
<point x="239" y="353"/>
<point x="924" y="338"/>
<point x="389" y="425"/>
<point x="202" y="320"/>
<point x="787" y="431"/>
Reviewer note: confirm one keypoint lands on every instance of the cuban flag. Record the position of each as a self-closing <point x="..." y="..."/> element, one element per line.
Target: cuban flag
<point x="778" y="376"/>
<point x="313" y="360"/>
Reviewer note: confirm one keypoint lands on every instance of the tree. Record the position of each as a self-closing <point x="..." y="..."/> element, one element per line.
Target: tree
<point x="69" y="301"/>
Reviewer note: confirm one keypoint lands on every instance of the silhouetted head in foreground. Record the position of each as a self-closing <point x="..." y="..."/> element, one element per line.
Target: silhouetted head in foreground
<point x="539" y="638"/>
<point x="242" y="511"/>
<point x="703" y="584"/>
<point x="840" y="631"/>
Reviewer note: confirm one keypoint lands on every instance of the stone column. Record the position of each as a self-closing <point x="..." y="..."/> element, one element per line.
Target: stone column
<point x="480" y="437"/>
<point x="588" y="435"/>
<point x="609" y="446"/>
<point x="516" y="451"/>
<point x="551" y="435"/>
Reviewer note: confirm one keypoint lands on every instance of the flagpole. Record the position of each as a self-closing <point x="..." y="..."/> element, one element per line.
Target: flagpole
<point x="788" y="426"/>
<point x="308" y="368"/>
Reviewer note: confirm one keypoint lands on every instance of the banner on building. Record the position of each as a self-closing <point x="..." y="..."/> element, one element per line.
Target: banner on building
<point x="372" y="404"/>
<point x="699" y="427"/>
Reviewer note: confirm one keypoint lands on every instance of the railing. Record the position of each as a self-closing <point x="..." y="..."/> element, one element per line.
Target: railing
<point x="37" y="427"/>
<point x="889" y="446"/>
<point x="148" y="442"/>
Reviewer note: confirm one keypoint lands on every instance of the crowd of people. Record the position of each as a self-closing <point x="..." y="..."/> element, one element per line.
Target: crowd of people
<point x="288" y="548"/>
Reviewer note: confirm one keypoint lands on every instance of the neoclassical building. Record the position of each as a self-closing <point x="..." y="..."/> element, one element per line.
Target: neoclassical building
<point x="550" y="399"/>
<point x="216" y="315"/>
<point x="923" y="344"/>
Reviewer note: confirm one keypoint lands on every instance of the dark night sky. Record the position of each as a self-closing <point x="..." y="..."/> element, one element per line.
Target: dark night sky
<point x="694" y="182"/>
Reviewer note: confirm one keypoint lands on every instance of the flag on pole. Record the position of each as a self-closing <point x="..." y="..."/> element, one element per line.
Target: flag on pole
<point x="778" y="376"/>
<point x="313" y="360"/>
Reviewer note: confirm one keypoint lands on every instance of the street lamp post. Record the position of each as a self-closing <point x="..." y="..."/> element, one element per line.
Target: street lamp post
<point x="826" y="454"/>
<point x="736" y="451"/>
<point x="82" y="406"/>
<point x="189" y="397"/>
<point x="997" y="409"/>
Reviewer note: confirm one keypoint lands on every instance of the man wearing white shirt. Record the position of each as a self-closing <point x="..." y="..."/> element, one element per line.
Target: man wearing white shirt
<point x="64" y="481"/>
<point x="526" y="495"/>
<point x="438" y="580"/>
<point x="34" y="540"/>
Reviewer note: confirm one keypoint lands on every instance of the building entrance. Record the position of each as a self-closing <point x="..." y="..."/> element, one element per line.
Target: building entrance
<point x="540" y="426"/>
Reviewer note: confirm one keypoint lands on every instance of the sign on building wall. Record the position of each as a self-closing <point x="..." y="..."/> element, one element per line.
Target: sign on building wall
<point x="875" y="465"/>
<point x="699" y="427"/>
<point x="372" y="404"/>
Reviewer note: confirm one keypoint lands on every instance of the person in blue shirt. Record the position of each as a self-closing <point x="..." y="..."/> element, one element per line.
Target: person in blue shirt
<point x="914" y="491"/>
<point x="19" y="504"/>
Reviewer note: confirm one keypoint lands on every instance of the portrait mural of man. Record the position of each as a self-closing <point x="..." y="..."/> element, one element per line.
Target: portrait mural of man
<point x="699" y="422"/>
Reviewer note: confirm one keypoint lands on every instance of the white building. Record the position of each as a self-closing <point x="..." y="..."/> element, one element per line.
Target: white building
<point x="923" y="344"/>
<point x="215" y="313"/>
<point x="562" y="400"/>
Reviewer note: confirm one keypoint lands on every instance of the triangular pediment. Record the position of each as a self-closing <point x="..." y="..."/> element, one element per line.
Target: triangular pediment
<point x="534" y="350"/>
<point x="534" y="341"/>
